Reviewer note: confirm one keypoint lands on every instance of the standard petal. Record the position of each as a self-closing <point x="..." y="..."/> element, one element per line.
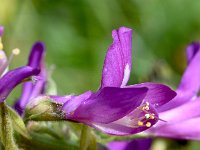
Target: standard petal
<point x="13" y="78"/>
<point x="107" y="105"/>
<point x="158" y="94"/>
<point x="139" y="144"/>
<point x="191" y="50"/>
<point x="117" y="64"/>
<point x="37" y="55"/>
<point x="188" y="129"/>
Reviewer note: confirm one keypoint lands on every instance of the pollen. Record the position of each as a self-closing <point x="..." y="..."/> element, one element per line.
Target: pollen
<point x="147" y="116"/>
<point x="140" y="123"/>
<point x="148" y="124"/>
<point x="16" y="51"/>
<point x="152" y="116"/>
<point x="145" y="107"/>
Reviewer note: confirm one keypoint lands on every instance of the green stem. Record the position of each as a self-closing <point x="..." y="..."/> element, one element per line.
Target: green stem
<point x="84" y="141"/>
<point x="6" y="129"/>
<point x="88" y="139"/>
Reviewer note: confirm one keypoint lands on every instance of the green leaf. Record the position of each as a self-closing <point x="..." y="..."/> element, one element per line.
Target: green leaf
<point x="18" y="123"/>
<point x="6" y="128"/>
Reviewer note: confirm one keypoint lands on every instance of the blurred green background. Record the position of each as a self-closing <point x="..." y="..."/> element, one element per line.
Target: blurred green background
<point x="77" y="34"/>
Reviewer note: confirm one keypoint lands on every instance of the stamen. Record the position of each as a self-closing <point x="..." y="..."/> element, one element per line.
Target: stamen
<point x="148" y="124"/>
<point x="152" y="116"/>
<point x="147" y="116"/>
<point x="140" y="123"/>
<point x="162" y="120"/>
<point x="16" y="51"/>
<point x="147" y="103"/>
<point x="145" y="108"/>
<point x="142" y="116"/>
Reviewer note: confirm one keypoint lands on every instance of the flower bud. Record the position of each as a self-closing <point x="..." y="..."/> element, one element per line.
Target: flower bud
<point x="43" y="108"/>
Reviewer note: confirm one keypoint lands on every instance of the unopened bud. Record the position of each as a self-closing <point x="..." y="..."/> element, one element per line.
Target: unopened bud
<point x="42" y="108"/>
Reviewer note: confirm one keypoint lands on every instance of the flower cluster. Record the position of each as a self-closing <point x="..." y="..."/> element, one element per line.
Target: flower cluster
<point x="115" y="108"/>
<point x="182" y="112"/>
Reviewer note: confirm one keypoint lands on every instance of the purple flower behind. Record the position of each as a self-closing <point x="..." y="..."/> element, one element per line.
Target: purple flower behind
<point x="139" y="144"/>
<point x="9" y="80"/>
<point x="30" y="89"/>
<point x="116" y="108"/>
<point x="182" y="114"/>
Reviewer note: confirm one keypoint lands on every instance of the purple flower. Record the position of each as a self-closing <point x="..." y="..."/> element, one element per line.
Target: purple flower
<point x="139" y="144"/>
<point x="32" y="89"/>
<point x="10" y="79"/>
<point x="182" y="114"/>
<point x="116" y="108"/>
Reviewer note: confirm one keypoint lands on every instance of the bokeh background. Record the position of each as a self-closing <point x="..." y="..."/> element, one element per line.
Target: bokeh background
<point x="77" y="34"/>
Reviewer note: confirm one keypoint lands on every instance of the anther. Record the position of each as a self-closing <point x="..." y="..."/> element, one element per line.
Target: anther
<point x="148" y="124"/>
<point x="147" y="116"/>
<point x="16" y="51"/>
<point x="140" y="123"/>
<point x="152" y="116"/>
<point x="145" y="108"/>
<point x="147" y="103"/>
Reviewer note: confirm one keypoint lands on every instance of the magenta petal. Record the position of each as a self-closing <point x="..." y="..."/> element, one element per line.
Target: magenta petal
<point x="36" y="56"/>
<point x="107" y="105"/>
<point x="191" y="50"/>
<point x="179" y="122"/>
<point x="13" y="78"/>
<point x="117" y="64"/>
<point x="188" y="129"/>
<point x="139" y="144"/>
<point x="184" y="112"/>
<point x="157" y="94"/>
<point x="62" y="99"/>
<point x="190" y="82"/>
<point x="71" y="103"/>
